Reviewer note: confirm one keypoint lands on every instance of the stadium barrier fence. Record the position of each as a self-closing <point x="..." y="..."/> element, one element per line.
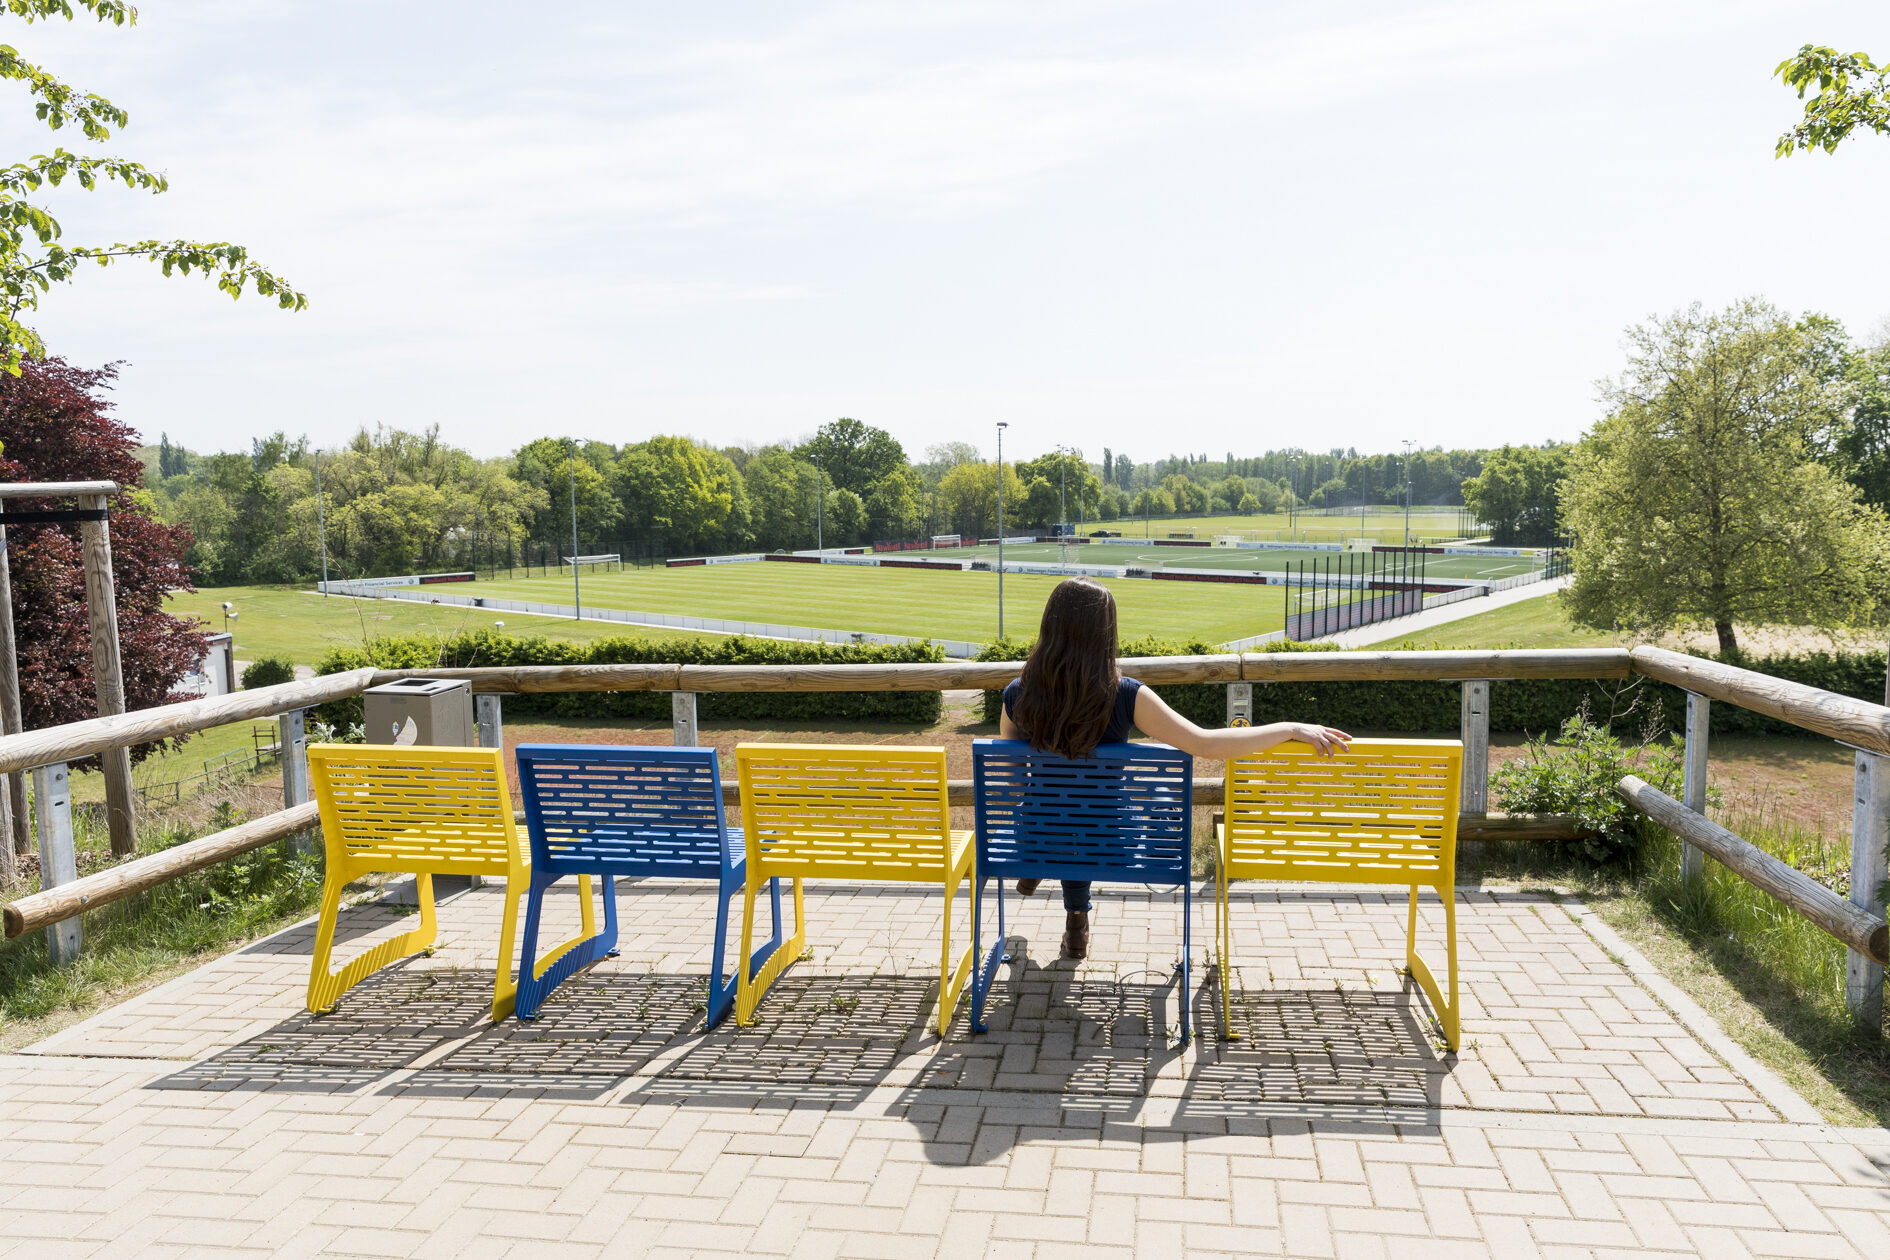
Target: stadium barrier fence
<point x="1856" y="921"/>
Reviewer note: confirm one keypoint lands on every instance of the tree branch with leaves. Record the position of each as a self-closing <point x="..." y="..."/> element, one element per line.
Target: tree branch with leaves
<point x="32" y="256"/>
<point x="1852" y="92"/>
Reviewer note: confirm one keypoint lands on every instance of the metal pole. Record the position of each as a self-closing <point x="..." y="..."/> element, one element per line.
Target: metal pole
<point x="58" y="863"/>
<point x="491" y="722"/>
<point x="1407" y="492"/>
<point x="820" y="486"/>
<point x="1476" y="746"/>
<point x="1001" y="426"/>
<point x="108" y="678"/>
<point x="577" y="587"/>
<point x="682" y="719"/>
<point x="321" y="522"/>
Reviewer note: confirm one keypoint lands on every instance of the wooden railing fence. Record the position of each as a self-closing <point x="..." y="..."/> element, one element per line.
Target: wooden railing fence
<point x="1858" y="922"/>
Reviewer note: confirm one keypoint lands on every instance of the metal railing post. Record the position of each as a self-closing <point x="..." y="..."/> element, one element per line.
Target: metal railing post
<point x="1870" y="831"/>
<point x="292" y="738"/>
<point x="491" y="724"/>
<point x="682" y="718"/>
<point x="1475" y="728"/>
<point x="1693" y="789"/>
<point x="58" y="862"/>
<point x="1240" y="704"/>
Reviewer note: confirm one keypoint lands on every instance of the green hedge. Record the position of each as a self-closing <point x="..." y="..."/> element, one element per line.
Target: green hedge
<point x="488" y="647"/>
<point x="1534" y="706"/>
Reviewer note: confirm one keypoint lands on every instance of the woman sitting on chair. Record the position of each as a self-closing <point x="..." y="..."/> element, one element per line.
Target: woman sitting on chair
<point x="1071" y="697"/>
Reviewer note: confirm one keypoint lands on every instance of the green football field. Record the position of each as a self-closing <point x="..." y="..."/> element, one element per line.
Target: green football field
<point x="1232" y="559"/>
<point x="1380" y="524"/>
<point x="915" y="602"/>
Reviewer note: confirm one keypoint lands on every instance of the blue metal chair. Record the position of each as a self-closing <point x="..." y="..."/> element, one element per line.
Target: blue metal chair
<point x="610" y="810"/>
<point x="1126" y="815"/>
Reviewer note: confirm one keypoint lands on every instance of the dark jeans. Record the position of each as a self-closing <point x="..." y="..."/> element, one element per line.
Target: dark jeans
<point x="1075" y="894"/>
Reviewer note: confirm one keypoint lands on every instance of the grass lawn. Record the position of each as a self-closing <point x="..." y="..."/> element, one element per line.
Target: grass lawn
<point x="1529" y="623"/>
<point x="301" y="625"/>
<point x="906" y="601"/>
<point x="1384" y="524"/>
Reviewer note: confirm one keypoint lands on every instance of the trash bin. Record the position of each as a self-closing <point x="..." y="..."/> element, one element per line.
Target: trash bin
<point x="438" y="710"/>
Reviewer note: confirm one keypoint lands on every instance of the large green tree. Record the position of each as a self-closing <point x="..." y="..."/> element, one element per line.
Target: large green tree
<point x="853" y="455"/>
<point x="1700" y="500"/>
<point x="689" y="495"/>
<point x="1517" y="494"/>
<point x="33" y="257"/>
<point x="781" y="490"/>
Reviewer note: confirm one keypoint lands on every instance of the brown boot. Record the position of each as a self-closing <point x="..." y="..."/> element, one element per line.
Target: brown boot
<point x="1025" y="887"/>
<point x="1076" y="934"/>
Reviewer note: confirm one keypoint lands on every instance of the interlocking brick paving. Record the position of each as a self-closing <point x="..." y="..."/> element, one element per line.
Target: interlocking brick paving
<point x="214" y="1116"/>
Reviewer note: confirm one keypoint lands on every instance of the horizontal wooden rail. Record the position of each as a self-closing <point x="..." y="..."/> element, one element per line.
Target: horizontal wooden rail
<point x="81" y="739"/>
<point x="55" y="489"/>
<point x="1863" y="932"/>
<point x="1856" y="722"/>
<point x="38" y="909"/>
<point x="991" y="675"/>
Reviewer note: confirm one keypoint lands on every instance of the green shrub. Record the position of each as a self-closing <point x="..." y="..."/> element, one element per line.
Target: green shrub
<point x="1576" y="772"/>
<point x="490" y="647"/>
<point x="268" y="672"/>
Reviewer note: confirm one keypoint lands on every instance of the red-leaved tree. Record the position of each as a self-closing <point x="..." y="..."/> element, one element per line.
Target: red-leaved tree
<point x="54" y="427"/>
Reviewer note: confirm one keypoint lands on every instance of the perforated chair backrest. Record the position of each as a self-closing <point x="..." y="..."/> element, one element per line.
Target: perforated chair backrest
<point x="415" y="809"/>
<point x="844" y="811"/>
<point x="1125" y="814"/>
<point x="605" y="808"/>
<point x="1384" y="811"/>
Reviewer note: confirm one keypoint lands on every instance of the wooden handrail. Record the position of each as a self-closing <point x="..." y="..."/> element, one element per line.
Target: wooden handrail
<point x="1863" y="932"/>
<point x="55" y="489"/>
<point x="1856" y="722"/>
<point x="1442" y="665"/>
<point x="104" y="887"/>
<point x="81" y="739"/>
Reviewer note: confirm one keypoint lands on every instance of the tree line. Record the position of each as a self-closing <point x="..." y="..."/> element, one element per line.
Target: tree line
<point x="394" y="501"/>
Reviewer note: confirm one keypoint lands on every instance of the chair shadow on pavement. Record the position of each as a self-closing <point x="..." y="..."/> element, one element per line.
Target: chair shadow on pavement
<point x="427" y="1031"/>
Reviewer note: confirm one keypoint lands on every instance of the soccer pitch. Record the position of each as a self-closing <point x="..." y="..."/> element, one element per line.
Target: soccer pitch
<point x="1381" y="524"/>
<point x="916" y="602"/>
<point x="1229" y="559"/>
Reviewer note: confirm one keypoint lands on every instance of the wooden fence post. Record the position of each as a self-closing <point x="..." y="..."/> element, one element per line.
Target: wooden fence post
<point x="491" y="723"/>
<point x="58" y="863"/>
<point x="1870" y="830"/>
<point x="682" y="718"/>
<point x="1476" y="747"/>
<point x="101" y="611"/>
<point x="1693" y="790"/>
<point x="1240" y="704"/>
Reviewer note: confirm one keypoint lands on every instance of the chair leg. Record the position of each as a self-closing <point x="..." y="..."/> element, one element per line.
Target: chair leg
<point x="723" y="992"/>
<point x="752" y="987"/>
<point x="1222" y="922"/>
<point x="505" y="980"/>
<point x="1448" y="1012"/>
<point x="1187" y="951"/>
<point x="537" y="979"/>
<point x="984" y="968"/>
<point x="325" y="987"/>
<point x="951" y="976"/>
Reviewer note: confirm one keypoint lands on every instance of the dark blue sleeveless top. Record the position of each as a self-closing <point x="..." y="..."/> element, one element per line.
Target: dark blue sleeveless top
<point x="1120" y="721"/>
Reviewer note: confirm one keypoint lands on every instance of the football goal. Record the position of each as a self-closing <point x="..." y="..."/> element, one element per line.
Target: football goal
<point x="940" y="541"/>
<point x="603" y="563"/>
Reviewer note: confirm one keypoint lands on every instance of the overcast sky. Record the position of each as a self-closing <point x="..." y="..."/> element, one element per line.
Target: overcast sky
<point x="1154" y="227"/>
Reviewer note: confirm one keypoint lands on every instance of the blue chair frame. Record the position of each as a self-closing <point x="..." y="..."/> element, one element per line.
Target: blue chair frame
<point x="1125" y="815"/>
<point x="613" y="809"/>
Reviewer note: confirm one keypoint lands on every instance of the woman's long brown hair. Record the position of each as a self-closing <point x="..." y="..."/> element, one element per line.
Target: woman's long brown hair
<point x="1068" y="690"/>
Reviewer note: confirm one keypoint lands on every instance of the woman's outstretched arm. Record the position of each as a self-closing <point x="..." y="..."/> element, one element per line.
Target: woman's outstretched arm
<point x="1160" y="722"/>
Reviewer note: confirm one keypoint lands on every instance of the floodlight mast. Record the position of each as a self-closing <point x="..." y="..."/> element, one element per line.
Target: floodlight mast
<point x="321" y="522"/>
<point x="1001" y="426"/>
<point x="577" y="589"/>
<point x="1408" y="444"/>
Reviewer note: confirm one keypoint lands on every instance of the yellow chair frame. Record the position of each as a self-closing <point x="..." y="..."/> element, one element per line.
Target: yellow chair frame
<point x="1382" y="812"/>
<point x="836" y="811"/>
<point x="424" y="812"/>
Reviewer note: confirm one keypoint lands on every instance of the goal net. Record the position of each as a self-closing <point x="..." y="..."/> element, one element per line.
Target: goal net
<point x="946" y="540"/>
<point x="595" y="562"/>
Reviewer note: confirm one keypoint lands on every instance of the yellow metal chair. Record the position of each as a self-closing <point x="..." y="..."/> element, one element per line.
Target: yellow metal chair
<point x="418" y="811"/>
<point x="1382" y="812"/>
<point x="831" y="811"/>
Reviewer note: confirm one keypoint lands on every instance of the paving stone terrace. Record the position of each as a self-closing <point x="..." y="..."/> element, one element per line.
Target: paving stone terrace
<point x="1593" y="1110"/>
